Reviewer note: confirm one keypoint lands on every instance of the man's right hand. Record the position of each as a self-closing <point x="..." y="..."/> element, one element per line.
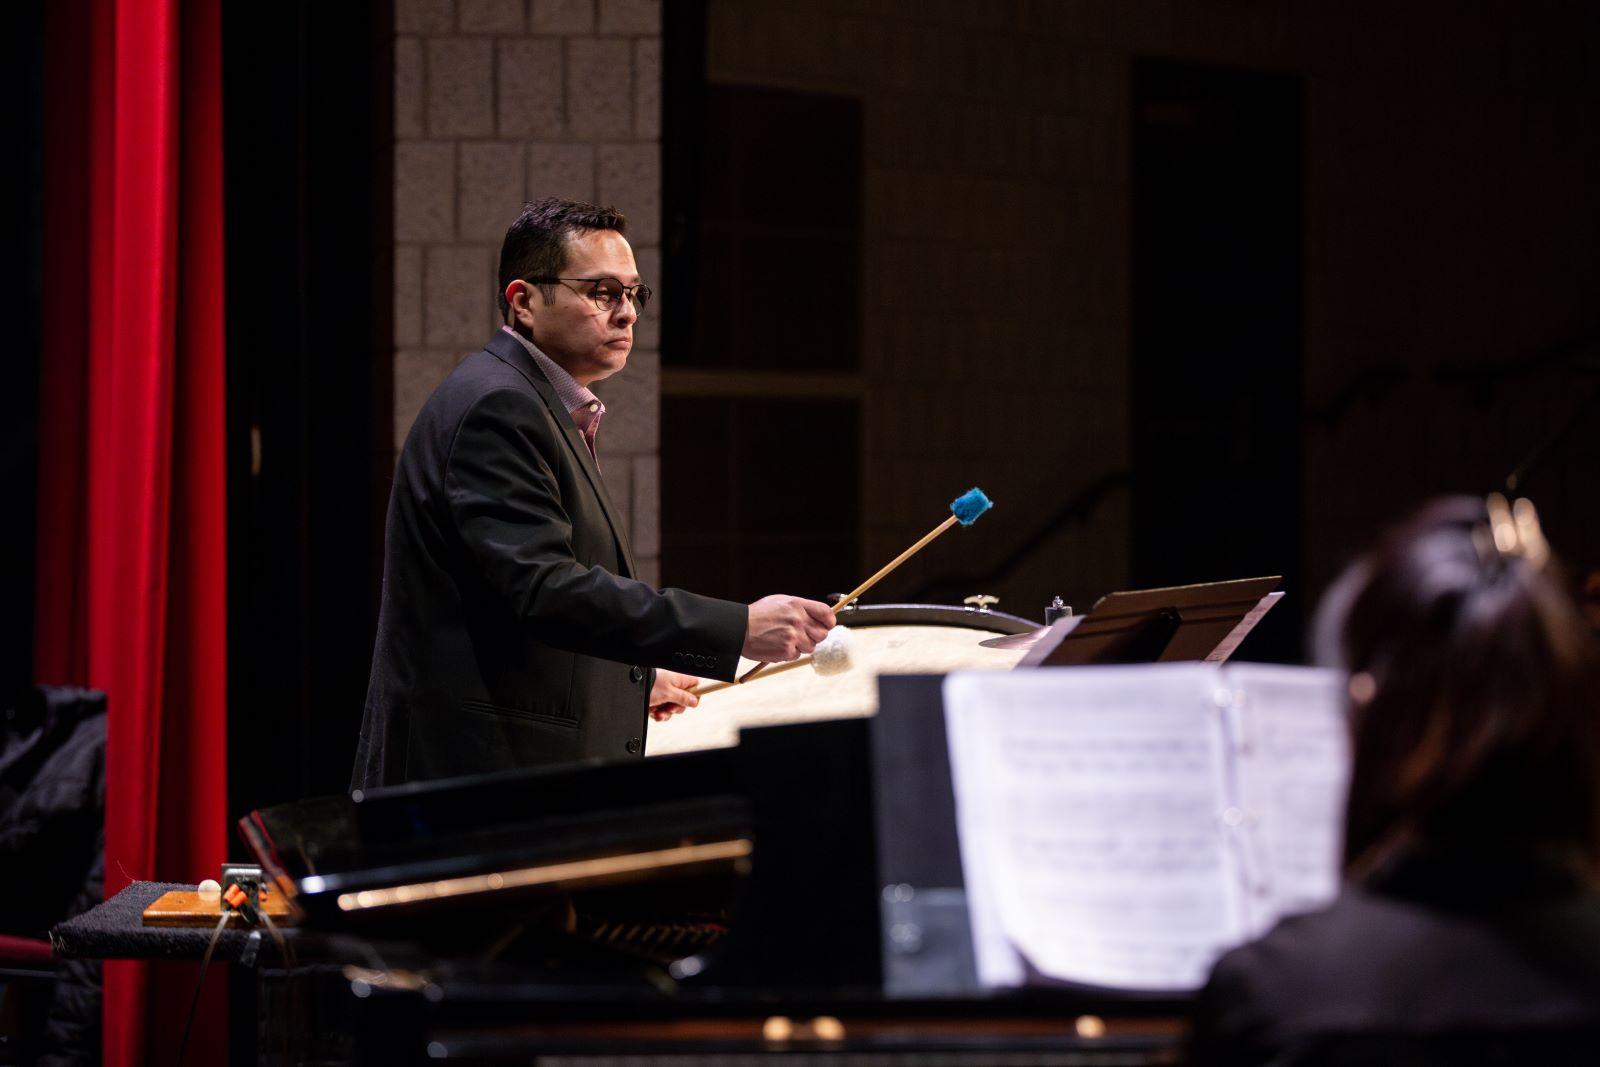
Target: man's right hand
<point x="781" y="628"/>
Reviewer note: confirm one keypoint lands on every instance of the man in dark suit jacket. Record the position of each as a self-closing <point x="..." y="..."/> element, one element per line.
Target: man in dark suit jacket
<point x="513" y="632"/>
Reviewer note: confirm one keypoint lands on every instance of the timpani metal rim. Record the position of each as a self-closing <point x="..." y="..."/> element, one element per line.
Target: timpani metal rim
<point x="996" y="622"/>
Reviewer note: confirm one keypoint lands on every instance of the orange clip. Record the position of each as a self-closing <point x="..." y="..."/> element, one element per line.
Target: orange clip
<point x="235" y="896"/>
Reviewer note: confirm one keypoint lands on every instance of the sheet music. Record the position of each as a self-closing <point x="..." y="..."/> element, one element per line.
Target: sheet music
<point x="1292" y="763"/>
<point x="995" y="957"/>
<point x="1237" y="635"/>
<point x="1088" y="804"/>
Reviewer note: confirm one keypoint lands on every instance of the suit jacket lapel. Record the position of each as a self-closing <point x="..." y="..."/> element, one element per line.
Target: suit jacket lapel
<point x="510" y="350"/>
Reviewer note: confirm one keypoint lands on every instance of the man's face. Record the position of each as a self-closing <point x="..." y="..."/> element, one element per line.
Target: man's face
<point x="588" y="343"/>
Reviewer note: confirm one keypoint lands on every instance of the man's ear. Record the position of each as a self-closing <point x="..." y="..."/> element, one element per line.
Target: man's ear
<point x="514" y="291"/>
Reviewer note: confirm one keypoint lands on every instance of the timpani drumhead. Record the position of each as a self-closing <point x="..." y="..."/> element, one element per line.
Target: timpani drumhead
<point x="885" y="639"/>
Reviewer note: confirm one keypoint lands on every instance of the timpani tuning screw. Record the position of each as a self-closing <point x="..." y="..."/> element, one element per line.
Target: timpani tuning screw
<point x="981" y="603"/>
<point x="1058" y="609"/>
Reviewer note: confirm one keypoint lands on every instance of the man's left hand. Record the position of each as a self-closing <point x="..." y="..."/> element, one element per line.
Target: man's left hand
<point x="672" y="693"/>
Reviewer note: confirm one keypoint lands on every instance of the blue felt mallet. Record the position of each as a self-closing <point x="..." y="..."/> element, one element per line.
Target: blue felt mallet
<point x="964" y="509"/>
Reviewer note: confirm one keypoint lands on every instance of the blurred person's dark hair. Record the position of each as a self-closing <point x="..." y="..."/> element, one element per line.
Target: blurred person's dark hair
<point x="536" y="243"/>
<point x="1474" y="725"/>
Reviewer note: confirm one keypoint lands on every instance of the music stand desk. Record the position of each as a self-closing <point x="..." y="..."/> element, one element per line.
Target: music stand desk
<point x="1184" y="622"/>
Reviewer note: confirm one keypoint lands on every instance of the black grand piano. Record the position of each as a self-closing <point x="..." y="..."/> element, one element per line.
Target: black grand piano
<point x="800" y="894"/>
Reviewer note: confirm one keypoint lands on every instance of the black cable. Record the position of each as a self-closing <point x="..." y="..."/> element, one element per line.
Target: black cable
<point x="287" y="954"/>
<point x="200" y="983"/>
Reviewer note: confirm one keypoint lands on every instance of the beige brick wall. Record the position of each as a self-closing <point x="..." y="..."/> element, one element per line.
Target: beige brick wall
<point x="1446" y="221"/>
<point x="1449" y="150"/>
<point x="994" y="146"/>
<point x="497" y="102"/>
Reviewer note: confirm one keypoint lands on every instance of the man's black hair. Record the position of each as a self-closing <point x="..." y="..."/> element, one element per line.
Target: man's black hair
<point x="536" y="244"/>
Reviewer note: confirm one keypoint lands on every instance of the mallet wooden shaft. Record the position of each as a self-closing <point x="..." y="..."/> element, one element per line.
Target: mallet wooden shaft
<point x="883" y="573"/>
<point x="892" y="564"/>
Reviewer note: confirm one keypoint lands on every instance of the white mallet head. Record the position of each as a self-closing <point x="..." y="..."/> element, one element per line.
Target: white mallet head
<point x="832" y="655"/>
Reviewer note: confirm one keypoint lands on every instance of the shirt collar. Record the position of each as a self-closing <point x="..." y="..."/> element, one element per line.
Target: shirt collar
<point x="573" y="397"/>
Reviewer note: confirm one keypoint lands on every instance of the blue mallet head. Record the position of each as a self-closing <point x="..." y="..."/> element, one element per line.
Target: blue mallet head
<point x="969" y="505"/>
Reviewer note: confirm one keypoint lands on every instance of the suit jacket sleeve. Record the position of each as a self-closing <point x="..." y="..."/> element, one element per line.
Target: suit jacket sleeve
<point x="507" y="509"/>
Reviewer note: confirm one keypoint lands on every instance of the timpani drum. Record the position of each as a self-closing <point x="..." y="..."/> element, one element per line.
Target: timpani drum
<point x="885" y="639"/>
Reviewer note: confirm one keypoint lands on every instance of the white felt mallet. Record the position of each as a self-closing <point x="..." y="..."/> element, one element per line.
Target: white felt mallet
<point x="832" y="654"/>
<point x="964" y="509"/>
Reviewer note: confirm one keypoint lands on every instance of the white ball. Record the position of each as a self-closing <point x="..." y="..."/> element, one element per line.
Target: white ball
<point x="832" y="655"/>
<point x="210" y="888"/>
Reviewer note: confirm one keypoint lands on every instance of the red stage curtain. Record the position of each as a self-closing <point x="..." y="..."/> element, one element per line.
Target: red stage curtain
<point x="132" y="567"/>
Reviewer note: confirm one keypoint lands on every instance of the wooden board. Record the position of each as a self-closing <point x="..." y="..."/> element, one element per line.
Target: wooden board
<point x="186" y="907"/>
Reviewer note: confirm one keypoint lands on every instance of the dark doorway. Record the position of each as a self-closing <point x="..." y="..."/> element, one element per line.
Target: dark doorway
<point x="22" y="127"/>
<point x="307" y="126"/>
<point x="1218" y="347"/>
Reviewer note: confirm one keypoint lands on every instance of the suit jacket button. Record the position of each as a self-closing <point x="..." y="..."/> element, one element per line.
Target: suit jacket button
<point x="633" y="746"/>
<point x="637" y="674"/>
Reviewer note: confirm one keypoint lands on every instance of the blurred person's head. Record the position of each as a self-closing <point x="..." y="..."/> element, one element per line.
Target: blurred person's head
<point x="569" y="283"/>
<point x="1472" y="685"/>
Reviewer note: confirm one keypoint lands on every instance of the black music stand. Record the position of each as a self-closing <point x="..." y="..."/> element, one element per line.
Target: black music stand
<point x="1185" y="622"/>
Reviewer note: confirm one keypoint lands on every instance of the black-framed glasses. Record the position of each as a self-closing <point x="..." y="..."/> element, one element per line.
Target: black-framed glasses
<point x="605" y="293"/>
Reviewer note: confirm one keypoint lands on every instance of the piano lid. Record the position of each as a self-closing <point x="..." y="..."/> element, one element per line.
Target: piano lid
<point x="457" y="836"/>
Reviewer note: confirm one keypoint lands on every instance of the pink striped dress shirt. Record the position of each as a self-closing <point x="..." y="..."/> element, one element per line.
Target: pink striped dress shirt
<point x="584" y="407"/>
